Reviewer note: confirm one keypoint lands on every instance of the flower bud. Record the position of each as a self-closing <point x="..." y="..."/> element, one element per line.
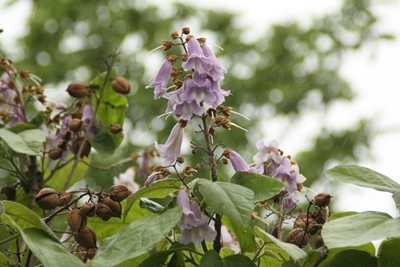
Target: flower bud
<point x="104" y="212"/>
<point x="115" y="128"/>
<point x="119" y="192"/>
<point x="86" y="238"/>
<point x="77" y="220"/>
<point x="89" y="209"/>
<point x="55" y="153"/>
<point x="297" y="237"/>
<point x="47" y="198"/>
<point x="77" y="90"/>
<point x="174" y="35"/>
<point x="322" y="200"/>
<point x="114" y="206"/>
<point x="75" y="125"/>
<point x="121" y="85"/>
<point x="186" y="30"/>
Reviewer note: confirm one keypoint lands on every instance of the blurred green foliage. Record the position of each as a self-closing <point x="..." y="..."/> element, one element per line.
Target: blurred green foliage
<point x="274" y="76"/>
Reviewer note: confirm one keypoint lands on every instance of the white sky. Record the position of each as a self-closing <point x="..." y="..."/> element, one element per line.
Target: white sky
<point x="373" y="73"/>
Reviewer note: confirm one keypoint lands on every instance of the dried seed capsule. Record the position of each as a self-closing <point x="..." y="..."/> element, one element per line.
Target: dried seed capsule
<point x="81" y="254"/>
<point x="322" y="200"/>
<point x="114" y="206"/>
<point x="91" y="252"/>
<point x="104" y="212"/>
<point x="77" y="220"/>
<point x="297" y="237"/>
<point x="115" y="128"/>
<point x="318" y="241"/>
<point x="75" y="125"/>
<point x="89" y="209"/>
<point x="55" y="153"/>
<point x="121" y="85"/>
<point x="77" y="90"/>
<point x="86" y="238"/>
<point x="65" y="197"/>
<point x="301" y="221"/>
<point x="47" y="198"/>
<point x="119" y="192"/>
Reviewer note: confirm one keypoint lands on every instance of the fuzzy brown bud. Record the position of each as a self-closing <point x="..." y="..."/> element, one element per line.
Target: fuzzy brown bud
<point x="121" y="85"/>
<point x="86" y="238"/>
<point x="297" y="237"/>
<point x="77" y="220"/>
<point x="115" y="128"/>
<point x="322" y="200"/>
<point x="167" y="45"/>
<point x="119" y="192"/>
<point x="78" y="90"/>
<point x="180" y="159"/>
<point x="174" y="35"/>
<point x="75" y="125"/>
<point x="198" y="166"/>
<point x="89" y="209"/>
<point x="47" y="198"/>
<point x="55" y="153"/>
<point x="114" y="206"/>
<point x="186" y="30"/>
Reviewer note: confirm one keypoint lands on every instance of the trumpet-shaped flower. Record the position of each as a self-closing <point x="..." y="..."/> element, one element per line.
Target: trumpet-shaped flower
<point x="240" y="165"/>
<point x="128" y="179"/>
<point x="160" y="83"/>
<point x="171" y="150"/>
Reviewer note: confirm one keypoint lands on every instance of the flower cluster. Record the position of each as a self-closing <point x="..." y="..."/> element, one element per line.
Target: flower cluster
<point x="270" y="161"/>
<point x="193" y="224"/>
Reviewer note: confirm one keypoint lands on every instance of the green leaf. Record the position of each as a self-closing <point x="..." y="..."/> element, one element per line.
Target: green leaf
<point x="153" y="206"/>
<point x="177" y="260"/>
<point x="134" y="262"/>
<point x="212" y="259"/>
<point x="158" y="258"/>
<point x="111" y="110"/>
<point x="159" y="189"/>
<point x="136" y="238"/>
<point x="264" y="187"/>
<point x="244" y="235"/>
<point x="293" y="251"/>
<point x="354" y="258"/>
<point x="363" y="177"/>
<point x="396" y="198"/>
<point x="389" y="253"/>
<point x="39" y="238"/>
<point x="28" y="142"/>
<point x="359" y="229"/>
<point x="232" y="200"/>
<point x="4" y="261"/>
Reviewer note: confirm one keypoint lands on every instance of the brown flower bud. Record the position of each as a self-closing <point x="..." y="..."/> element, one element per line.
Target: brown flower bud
<point x="77" y="220"/>
<point x="186" y="30"/>
<point x="55" y="153"/>
<point x="167" y="45"/>
<point x="75" y="125"/>
<point x="89" y="209"/>
<point x="174" y="35"/>
<point x="77" y="90"/>
<point x="180" y="159"/>
<point x="225" y="161"/>
<point x="81" y="254"/>
<point x="121" y="85"/>
<point x="114" y="206"/>
<point x="86" y="238"/>
<point x="322" y="200"/>
<point x="9" y="192"/>
<point x="65" y="197"/>
<point x="47" y="198"/>
<point x="119" y="192"/>
<point x="318" y="241"/>
<point x="104" y="212"/>
<point x="115" y="128"/>
<point x="198" y="166"/>
<point x="297" y="237"/>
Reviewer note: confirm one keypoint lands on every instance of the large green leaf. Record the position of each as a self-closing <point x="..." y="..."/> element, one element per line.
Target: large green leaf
<point x="29" y="142"/>
<point x="363" y="177"/>
<point x="158" y="258"/>
<point x="159" y="189"/>
<point x="244" y="235"/>
<point x="293" y="251"/>
<point x="111" y="110"/>
<point x="136" y="238"/>
<point x="353" y="258"/>
<point x="389" y="253"/>
<point x="264" y="187"/>
<point x="4" y="261"/>
<point x="231" y="200"/>
<point x="39" y="238"/>
<point x="212" y="259"/>
<point x="360" y="229"/>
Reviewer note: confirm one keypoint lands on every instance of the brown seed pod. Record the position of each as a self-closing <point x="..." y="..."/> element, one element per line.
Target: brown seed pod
<point x="86" y="238"/>
<point x="77" y="220"/>
<point x="47" y="198"/>
<point x="104" y="212"/>
<point x="121" y="85"/>
<point x="81" y="254"/>
<point x="65" y="197"/>
<point x="301" y="221"/>
<point x="322" y="200"/>
<point x="297" y="237"/>
<point x="55" y="153"/>
<point x="78" y="90"/>
<point x="114" y="206"/>
<point x="115" y="128"/>
<point x="89" y="209"/>
<point x="75" y="125"/>
<point x="119" y="192"/>
<point x="318" y="241"/>
<point x="91" y="252"/>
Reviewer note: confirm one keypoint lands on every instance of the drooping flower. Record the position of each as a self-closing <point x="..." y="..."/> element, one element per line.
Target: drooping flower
<point x="193" y="224"/>
<point x="239" y="164"/>
<point x="128" y="179"/>
<point x="171" y="150"/>
<point x="161" y="81"/>
<point x="152" y="178"/>
<point x="216" y="71"/>
<point x="268" y="153"/>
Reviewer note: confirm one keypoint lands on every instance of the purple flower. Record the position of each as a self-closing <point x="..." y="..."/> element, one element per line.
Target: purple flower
<point x="171" y="150"/>
<point x="128" y="179"/>
<point x="216" y="71"/>
<point x="152" y="178"/>
<point x="240" y="165"/>
<point x="268" y="153"/>
<point x="193" y="224"/>
<point x="160" y="83"/>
